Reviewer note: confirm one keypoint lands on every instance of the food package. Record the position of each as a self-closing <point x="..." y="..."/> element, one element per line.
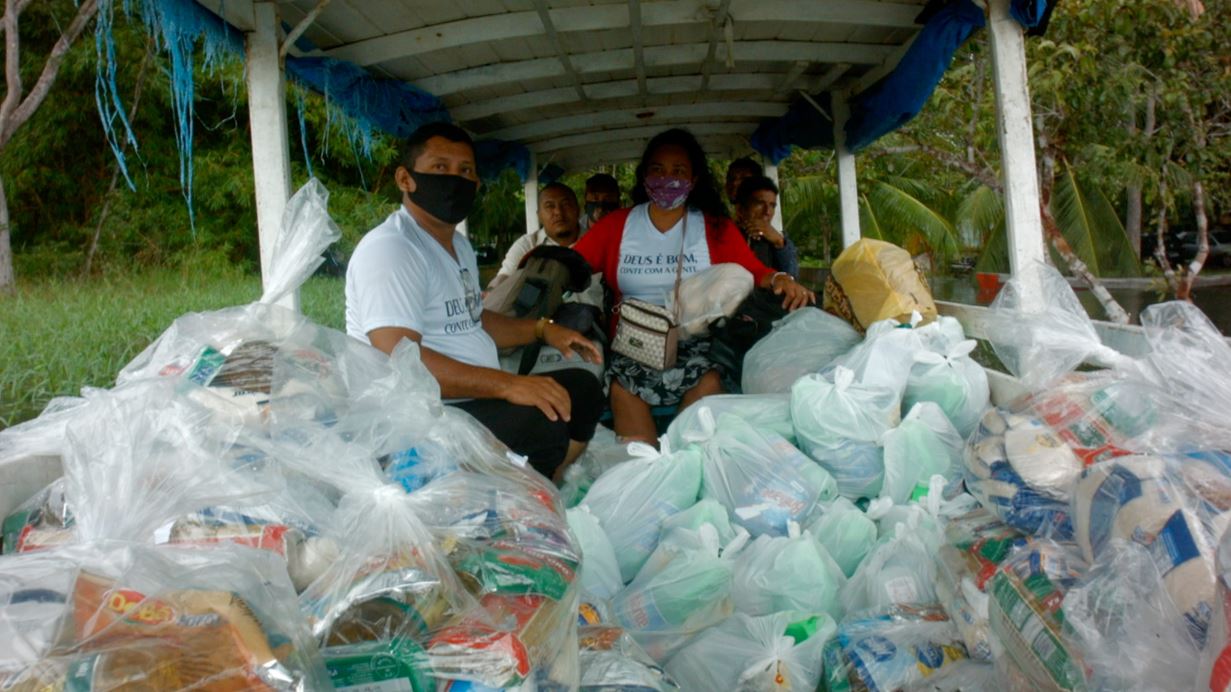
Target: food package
<point x="873" y="280"/>
<point x="632" y="500"/>
<point x="961" y="676"/>
<point x="899" y="571"/>
<point x="952" y="380"/>
<point x="40" y="522"/>
<point x="773" y="574"/>
<point x="887" y="354"/>
<point x="846" y="533"/>
<point x="923" y="445"/>
<point x="1175" y="507"/>
<point x="976" y="544"/>
<point x="611" y="660"/>
<point x="780" y="651"/>
<point x="1126" y="623"/>
<point x="803" y="342"/>
<point x="763" y="481"/>
<point x="710" y="294"/>
<point x="1214" y="673"/>
<point x="512" y="548"/>
<point x="1026" y="596"/>
<point x="770" y="412"/>
<point x="602" y="454"/>
<point x="684" y="587"/>
<point x="840" y="424"/>
<point x="599" y="573"/>
<point x="891" y="650"/>
<point x="707" y="511"/>
<point x="109" y="615"/>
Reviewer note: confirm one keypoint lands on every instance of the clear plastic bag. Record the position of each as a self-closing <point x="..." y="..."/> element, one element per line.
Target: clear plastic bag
<point x="781" y="651"/>
<point x="707" y="511"/>
<point x="1188" y="355"/>
<point x="602" y="454"/>
<point x="1025" y="612"/>
<point x="683" y="588"/>
<point x="770" y="412"/>
<point x="923" y="445"/>
<point x="1041" y="337"/>
<point x="611" y="660"/>
<point x="1215" y="667"/>
<point x="632" y="500"/>
<point x="886" y="355"/>
<point x="43" y="521"/>
<point x="846" y="533"/>
<point x="124" y="615"/>
<point x="899" y="572"/>
<point x="786" y="573"/>
<point x="759" y="477"/>
<point x="952" y="380"/>
<point x="803" y="342"/>
<point x="891" y="650"/>
<point x="840" y="424"/>
<point x="710" y="295"/>
<point x="305" y="233"/>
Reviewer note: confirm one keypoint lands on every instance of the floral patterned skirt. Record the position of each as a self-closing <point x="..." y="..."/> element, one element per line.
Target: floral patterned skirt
<point x="663" y="387"/>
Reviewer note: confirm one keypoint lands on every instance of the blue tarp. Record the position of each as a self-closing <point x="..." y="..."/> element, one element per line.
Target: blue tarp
<point x="895" y="99"/>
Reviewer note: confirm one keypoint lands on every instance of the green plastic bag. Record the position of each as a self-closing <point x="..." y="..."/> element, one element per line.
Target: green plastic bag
<point x="923" y="445"/>
<point x="847" y="534"/>
<point x="793" y="572"/>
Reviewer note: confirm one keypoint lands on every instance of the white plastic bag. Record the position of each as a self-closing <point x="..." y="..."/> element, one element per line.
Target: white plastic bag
<point x="632" y="500"/>
<point x="599" y="574"/>
<point x="782" y="651"/>
<point x="885" y="357"/>
<point x="840" y="424"/>
<point x="709" y="295"/>
<point x="923" y="445"/>
<point x="759" y="477"/>
<point x="684" y="588"/>
<point x="847" y="534"/>
<point x="803" y="342"/>
<point x="763" y="411"/>
<point x="706" y="511"/>
<point x="787" y="573"/>
<point x="898" y="572"/>
<point x="891" y="650"/>
<point x="954" y="381"/>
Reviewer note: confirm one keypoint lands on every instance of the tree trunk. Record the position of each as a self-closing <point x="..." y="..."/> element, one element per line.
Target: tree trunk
<point x="1160" y="246"/>
<point x="1185" y="290"/>
<point x="1051" y="230"/>
<point x="7" y="280"/>
<point x="1132" y="191"/>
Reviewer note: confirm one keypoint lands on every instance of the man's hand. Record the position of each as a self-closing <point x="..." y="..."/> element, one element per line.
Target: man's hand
<point x="794" y="296"/>
<point x="566" y="341"/>
<point x="761" y="228"/>
<point x="542" y="392"/>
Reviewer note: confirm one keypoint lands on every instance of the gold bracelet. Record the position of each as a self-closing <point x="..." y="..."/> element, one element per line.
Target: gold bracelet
<point x="540" y="328"/>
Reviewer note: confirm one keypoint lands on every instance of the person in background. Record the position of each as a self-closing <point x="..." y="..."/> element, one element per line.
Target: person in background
<point x="678" y="205"/>
<point x="602" y="196"/>
<point x="755" y="204"/>
<point x="558" y="225"/>
<point x="740" y="169"/>
<point x="415" y="277"/>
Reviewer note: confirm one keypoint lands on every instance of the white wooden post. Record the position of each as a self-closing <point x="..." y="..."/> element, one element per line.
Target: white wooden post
<point x="848" y="188"/>
<point x="271" y="158"/>
<point x="532" y="195"/>
<point x="771" y="172"/>
<point x="1013" y="124"/>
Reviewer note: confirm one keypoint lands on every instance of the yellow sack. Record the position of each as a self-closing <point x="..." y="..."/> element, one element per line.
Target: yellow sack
<point x="873" y="280"/>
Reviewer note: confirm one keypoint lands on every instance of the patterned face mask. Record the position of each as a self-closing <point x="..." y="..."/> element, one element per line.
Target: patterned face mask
<point x="667" y="192"/>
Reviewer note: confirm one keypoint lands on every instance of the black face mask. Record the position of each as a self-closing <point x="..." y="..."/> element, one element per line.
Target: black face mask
<point x="447" y="197"/>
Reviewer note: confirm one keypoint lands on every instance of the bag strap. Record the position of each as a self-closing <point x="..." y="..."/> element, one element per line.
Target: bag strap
<point x="679" y="269"/>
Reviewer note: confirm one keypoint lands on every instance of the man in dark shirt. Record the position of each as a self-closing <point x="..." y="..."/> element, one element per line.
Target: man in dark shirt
<point x="755" y="202"/>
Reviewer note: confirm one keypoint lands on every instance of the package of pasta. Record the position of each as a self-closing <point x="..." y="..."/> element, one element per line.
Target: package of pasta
<point x="109" y="615"/>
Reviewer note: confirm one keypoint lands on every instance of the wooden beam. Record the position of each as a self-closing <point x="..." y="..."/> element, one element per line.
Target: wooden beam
<point x="554" y="38"/>
<point x="615" y="60"/>
<point x="831" y="76"/>
<point x="634" y="27"/>
<point x="631" y="149"/>
<point x="599" y="137"/>
<point x="599" y="91"/>
<point x="531" y="190"/>
<point x="791" y="77"/>
<point x="720" y="19"/>
<point x="237" y="13"/>
<point x="527" y="24"/>
<point x="1015" y="132"/>
<point x="848" y="186"/>
<point x="289" y="42"/>
<point x="555" y="127"/>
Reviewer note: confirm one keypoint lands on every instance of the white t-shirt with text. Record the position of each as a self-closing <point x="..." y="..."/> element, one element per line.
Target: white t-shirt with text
<point x="400" y="276"/>
<point x="648" y="256"/>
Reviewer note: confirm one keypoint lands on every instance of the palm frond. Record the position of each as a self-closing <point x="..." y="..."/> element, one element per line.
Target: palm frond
<point x="1092" y="227"/>
<point x="906" y="217"/>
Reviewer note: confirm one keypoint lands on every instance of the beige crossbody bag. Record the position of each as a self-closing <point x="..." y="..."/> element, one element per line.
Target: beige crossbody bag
<point x="648" y="333"/>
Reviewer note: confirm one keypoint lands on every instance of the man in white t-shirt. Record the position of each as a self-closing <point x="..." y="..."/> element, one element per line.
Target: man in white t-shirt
<point x="415" y="277"/>
<point x="558" y="225"/>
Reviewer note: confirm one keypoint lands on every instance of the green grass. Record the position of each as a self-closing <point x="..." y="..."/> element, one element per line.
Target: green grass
<point x="57" y="336"/>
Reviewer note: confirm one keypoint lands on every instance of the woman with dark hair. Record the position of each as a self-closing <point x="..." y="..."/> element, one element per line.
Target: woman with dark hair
<point x="679" y="219"/>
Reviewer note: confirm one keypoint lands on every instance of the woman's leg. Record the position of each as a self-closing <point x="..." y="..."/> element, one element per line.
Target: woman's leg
<point x="710" y="383"/>
<point x="633" y="420"/>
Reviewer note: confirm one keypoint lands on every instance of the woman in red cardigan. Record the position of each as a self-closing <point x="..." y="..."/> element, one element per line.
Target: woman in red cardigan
<point x="677" y="206"/>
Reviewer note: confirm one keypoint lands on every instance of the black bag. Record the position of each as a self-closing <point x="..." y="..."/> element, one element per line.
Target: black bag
<point x="734" y="336"/>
